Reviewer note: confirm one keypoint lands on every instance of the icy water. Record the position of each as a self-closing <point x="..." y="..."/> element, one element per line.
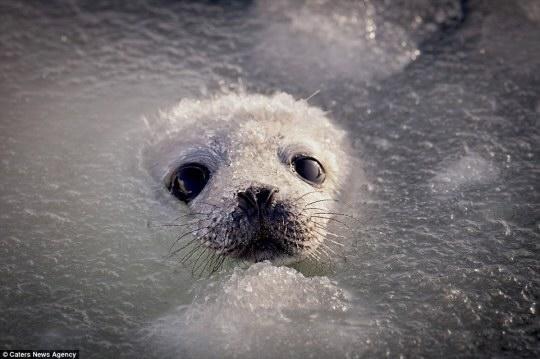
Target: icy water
<point x="443" y="104"/>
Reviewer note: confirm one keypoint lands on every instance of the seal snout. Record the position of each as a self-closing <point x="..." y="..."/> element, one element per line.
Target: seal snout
<point x="256" y="200"/>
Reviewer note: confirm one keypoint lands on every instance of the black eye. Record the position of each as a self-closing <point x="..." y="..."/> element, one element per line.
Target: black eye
<point x="188" y="181"/>
<point x="309" y="169"/>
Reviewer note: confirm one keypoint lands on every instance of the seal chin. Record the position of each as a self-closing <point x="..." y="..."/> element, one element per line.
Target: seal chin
<point x="261" y="254"/>
<point x="277" y="257"/>
<point x="265" y="247"/>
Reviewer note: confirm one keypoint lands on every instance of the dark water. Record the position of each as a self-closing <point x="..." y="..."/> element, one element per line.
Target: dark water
<point x="442" y="101"/>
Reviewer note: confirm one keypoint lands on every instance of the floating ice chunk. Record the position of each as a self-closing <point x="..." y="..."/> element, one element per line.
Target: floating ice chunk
<point x="264" y="311"/>
<point x="351" y="39"/>
<point x="471" y="169"/>
<point x="531" y="9"/>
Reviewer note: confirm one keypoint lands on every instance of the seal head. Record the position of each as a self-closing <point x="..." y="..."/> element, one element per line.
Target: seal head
<point x="259" y="174"/>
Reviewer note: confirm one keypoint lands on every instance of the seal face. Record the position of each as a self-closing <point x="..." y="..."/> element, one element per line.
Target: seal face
<point x="260" y="174"/>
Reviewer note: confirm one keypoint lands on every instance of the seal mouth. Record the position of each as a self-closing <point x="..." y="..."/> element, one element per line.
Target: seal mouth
<point x="265" y="244"/>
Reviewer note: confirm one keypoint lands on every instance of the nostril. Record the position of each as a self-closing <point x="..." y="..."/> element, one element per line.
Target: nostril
<point x="247" y="200"/>
<point x="265" y="196"/>
<point x="256" y="198"/>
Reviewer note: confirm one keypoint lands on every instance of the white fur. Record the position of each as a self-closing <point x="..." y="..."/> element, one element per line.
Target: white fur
<point x="245" y="139"/>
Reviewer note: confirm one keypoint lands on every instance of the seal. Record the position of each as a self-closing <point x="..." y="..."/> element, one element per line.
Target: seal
<point x="259" y="174"/>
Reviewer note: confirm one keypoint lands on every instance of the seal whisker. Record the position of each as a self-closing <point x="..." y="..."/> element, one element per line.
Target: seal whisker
<point x="315" y="208"/>
<point x="332" y="213"/>
<point x="192" y="215"/>
<point x="326" y="249"/>
<point x="324" y="228"/>
<point x="187" y="233"/>
<point x="184" y="246"/>
<point x="196" y="265"/>
<point x="215" y="260"/>
<point x="177" y="240"/>
<point x="332" y="219"/>
<point x="335" y="242"/>
<point x="182" y="224"/>
<point x="210" y="228"/>
<point x="304" y="195"/>
<point x="313" y="254"/>
<point x="321" y="254"/>
<point x="328" y="233"/>
<point x="340" y="255"/>
<point x="209" y="259"/>
<point x="188" y="255"/>
<point x="210" y="204"/>
<point x="312" y="95"/>
<point x="322" y="200"/>
<point x="219" y="263"/>
<point x="343" y="215"/>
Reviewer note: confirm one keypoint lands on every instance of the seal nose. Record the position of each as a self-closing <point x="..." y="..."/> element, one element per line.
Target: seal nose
<point x="256" y="199"/>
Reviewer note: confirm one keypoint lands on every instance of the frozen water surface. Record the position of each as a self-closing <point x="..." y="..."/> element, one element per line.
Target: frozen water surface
<point x="442" y="102"/>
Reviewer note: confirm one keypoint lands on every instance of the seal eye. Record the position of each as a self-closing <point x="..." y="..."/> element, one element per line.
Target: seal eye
<point x="309" y="169"/>
<point x="188" y="181"/>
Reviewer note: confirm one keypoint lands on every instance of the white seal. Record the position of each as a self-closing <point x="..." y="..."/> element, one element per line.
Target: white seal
<point x="259" y="174"/>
